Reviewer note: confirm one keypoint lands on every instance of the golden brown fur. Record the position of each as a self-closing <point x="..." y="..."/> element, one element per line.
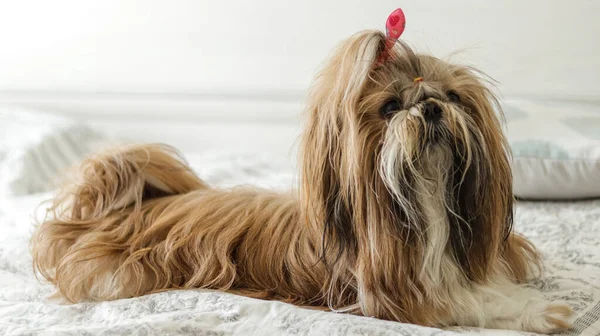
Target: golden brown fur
<point x="394" y="218"/>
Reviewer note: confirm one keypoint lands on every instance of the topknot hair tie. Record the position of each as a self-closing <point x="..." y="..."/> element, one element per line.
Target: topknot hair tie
<point x="394" y="27"/>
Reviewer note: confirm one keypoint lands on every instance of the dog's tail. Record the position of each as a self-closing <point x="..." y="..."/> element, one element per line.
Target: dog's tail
<point x="109" y="190"/>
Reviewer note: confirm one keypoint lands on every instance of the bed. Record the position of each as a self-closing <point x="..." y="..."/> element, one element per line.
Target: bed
<point x="186" y="73"/>
<point x="567" y="233"/>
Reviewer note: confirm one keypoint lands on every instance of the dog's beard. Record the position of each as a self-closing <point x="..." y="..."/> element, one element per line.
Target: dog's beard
<point x="432" y="169"/>
<point x="419" y="155"/>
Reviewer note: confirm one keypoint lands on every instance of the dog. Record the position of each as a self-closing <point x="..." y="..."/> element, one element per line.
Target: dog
<point x="404" y="210"/>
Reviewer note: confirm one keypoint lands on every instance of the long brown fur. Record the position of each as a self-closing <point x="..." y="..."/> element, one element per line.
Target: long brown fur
<point x="354" y="237"/>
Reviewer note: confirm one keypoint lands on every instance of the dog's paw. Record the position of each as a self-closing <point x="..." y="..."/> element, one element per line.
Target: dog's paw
<point x="548" y="317"/>
<point x="558" y="315"/>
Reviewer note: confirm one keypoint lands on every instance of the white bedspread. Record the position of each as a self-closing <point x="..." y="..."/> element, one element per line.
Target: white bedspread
<point x="567" y="233"/>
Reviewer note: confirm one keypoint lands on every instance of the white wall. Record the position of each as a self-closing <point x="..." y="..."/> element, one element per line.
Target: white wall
<point x="539" y="47"/>
<point x="189" y="59"/>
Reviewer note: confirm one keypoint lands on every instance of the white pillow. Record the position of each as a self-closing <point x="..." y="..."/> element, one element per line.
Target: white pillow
<point x="556" y="149"/>
<point x="35" y="147"/>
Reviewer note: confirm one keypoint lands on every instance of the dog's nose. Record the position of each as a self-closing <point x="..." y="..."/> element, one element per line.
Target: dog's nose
<point x="432" y="111"/>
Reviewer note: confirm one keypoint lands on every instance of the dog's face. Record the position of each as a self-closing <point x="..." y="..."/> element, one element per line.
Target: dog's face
<point x="406" y="155"/>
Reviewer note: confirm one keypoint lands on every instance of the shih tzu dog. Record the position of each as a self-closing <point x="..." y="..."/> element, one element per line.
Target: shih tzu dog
<point x="404" y="210"/>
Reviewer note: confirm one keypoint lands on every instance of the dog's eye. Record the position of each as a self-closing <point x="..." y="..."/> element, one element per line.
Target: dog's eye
<point x="453" y="96"/>
<point x="388" y="109"/>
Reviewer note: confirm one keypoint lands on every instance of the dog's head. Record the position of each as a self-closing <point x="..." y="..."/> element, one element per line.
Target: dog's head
<point x="405" y="157"/>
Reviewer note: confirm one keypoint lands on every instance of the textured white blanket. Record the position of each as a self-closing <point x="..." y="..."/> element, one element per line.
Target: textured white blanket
<point x="567" y="233"/>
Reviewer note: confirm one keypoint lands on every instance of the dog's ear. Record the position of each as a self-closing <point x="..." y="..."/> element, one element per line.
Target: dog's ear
<point x="495" y="193"/>
<point x="481" y="222"/>
<point x="327" y="151"/>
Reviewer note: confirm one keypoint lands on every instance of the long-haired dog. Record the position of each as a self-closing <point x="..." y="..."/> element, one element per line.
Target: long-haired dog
<point x="404" y="210"/>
